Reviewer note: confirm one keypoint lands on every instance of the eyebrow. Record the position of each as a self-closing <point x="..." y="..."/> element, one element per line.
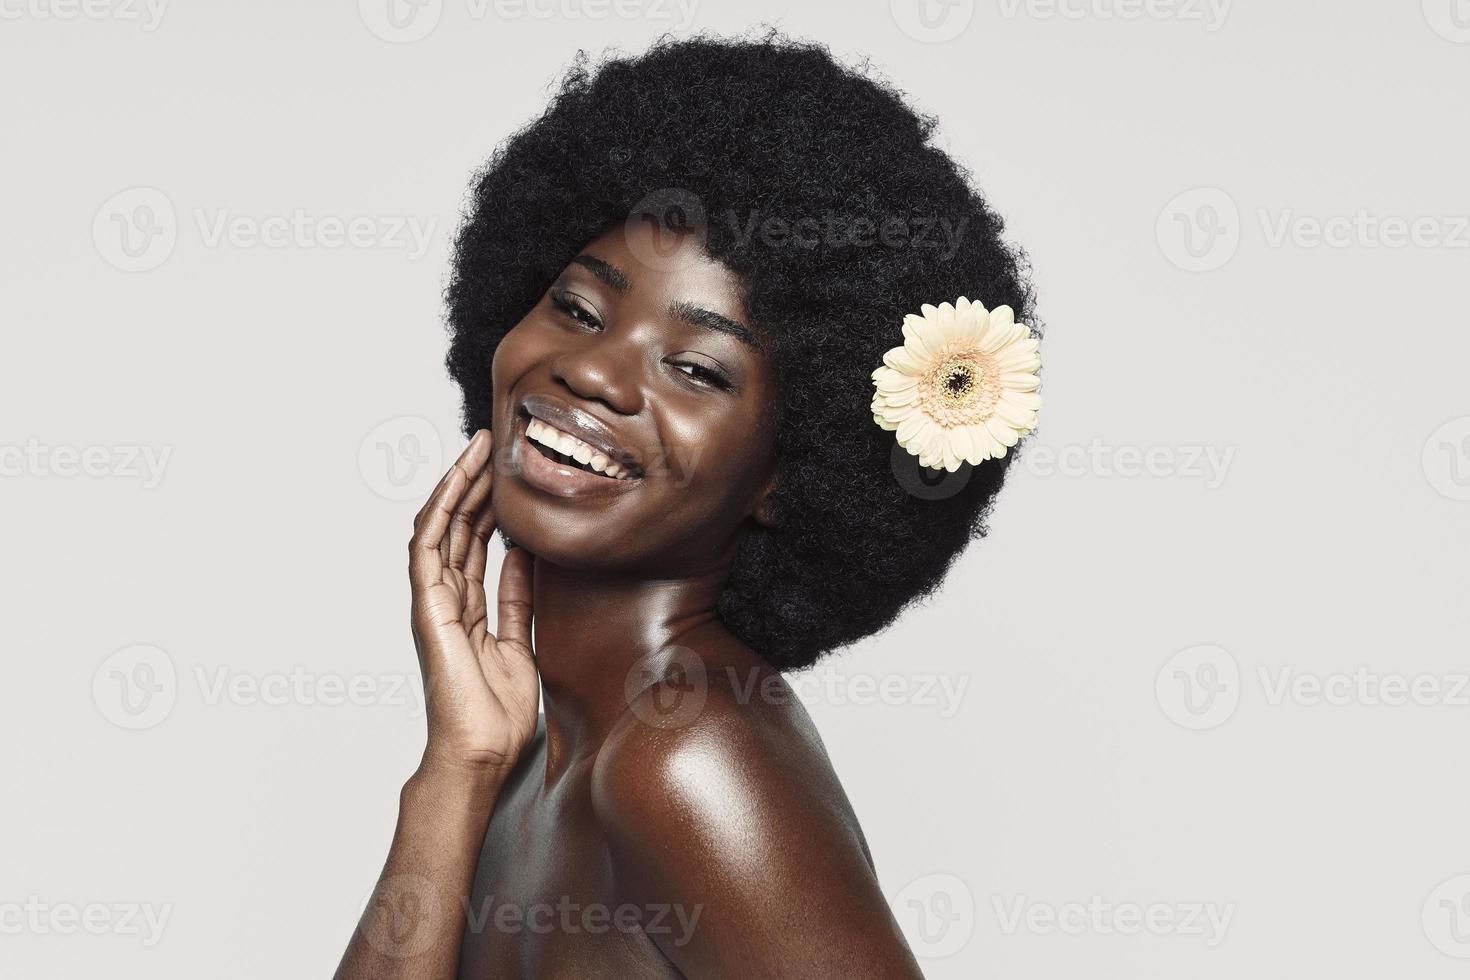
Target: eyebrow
<point x="609" y="274"/>
<point x="693" y="315"/>
<point x="700" y="317"/>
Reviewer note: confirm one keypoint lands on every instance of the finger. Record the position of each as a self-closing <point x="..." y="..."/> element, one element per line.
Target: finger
<point x="460" y="461"/>
<point x="476" y="609"/>
<point x="465" y="464"/>
<point x="461" y="529"/>
<point x="425" y="565"/>
<point x="513" y="613"/>
<point x="424" y="510"/>
<point x="474" y="563"/>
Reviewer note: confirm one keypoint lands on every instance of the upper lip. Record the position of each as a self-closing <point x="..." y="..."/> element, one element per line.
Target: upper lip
<point x="584" y="425"/>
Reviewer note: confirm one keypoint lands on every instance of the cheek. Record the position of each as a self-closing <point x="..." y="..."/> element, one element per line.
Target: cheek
<point x="513" y="355"/>
<point x="720" y="460"/>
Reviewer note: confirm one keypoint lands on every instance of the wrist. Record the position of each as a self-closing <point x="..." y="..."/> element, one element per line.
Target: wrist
<point x="455" y="778"/>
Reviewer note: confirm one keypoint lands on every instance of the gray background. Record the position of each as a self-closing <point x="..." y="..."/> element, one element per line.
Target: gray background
<point x="173" y="739"/>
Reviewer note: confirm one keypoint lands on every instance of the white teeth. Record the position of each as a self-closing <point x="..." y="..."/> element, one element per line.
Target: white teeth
<point x="569" y="445"/>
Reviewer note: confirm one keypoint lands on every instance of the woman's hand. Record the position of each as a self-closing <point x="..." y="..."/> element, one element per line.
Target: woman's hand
<point x="481" y="688"/>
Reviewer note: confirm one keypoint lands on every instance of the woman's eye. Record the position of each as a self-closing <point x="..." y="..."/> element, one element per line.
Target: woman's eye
<point x="575" y="310"/>
<point x="703" y="374"/>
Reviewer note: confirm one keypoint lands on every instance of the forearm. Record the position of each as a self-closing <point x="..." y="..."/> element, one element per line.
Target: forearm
<point x="415" y="921"/>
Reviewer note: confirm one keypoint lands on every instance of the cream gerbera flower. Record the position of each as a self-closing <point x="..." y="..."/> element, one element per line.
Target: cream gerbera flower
<point x="962" y="388"/>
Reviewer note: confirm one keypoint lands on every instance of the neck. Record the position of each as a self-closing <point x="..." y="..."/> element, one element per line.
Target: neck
<point x="592" y="631"/>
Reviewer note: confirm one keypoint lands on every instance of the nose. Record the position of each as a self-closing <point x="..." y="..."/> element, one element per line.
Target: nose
<point x="602" y="369"/>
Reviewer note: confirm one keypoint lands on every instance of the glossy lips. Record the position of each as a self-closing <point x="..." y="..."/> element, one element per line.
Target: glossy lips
<point x="589" y="437"/>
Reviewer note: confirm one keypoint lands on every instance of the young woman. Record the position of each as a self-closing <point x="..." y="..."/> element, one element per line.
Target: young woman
<point x="730" y="411"/>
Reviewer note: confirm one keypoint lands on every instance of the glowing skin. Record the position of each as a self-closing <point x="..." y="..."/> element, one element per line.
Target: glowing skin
<point x="674" y="813"/>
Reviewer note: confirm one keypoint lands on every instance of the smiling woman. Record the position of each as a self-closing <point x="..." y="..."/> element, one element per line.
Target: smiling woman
<point x="623" y="358"/>
<point x="674" y="428"/>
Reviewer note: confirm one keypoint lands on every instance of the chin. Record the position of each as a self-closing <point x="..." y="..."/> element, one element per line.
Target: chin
<point x="546" y="530"/>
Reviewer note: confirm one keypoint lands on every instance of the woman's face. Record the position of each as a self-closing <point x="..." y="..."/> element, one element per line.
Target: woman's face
<point x="648" y="367"/>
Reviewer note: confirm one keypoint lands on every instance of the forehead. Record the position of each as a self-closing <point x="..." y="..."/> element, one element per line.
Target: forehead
<point x="670" y="267"/>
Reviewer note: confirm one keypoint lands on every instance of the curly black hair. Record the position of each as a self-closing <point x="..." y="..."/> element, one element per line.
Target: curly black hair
<point x="756" y="132"/>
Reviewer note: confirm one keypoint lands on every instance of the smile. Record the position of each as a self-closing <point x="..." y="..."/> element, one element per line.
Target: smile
<point x="568" y="452"/>
<point x="567" y="449"/>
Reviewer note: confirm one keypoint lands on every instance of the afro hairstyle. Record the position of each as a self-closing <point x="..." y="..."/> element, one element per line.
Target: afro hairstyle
<point x="771" y="133"/>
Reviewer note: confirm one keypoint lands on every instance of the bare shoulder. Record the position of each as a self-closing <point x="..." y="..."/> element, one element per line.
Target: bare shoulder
<point x="725" y="731"/>
<point x="716" y="795"/>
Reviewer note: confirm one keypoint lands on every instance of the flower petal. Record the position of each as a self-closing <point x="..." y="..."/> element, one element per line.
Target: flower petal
<point x="963" y="442"/>
<point x="1023" y="419"/>
<point x="910" y="427"/>
<point x="904" y="396"/>
<point x="1020" y="382"/>
<point x="1024" y="399"/>
<point x="919" y="340"/>
<point x="889" y="380"/>
<point x="899" y="359"/>
<point x="1004" y="434"/>
<point x="951" y="460"/>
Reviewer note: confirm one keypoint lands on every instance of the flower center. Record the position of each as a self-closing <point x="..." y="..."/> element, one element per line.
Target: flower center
<point x="961" y="389"/>
<point x="959" y="381"/>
